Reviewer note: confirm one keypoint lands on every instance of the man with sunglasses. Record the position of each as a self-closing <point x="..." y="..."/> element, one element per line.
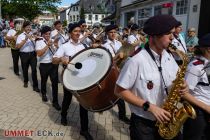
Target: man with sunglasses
<point x="85" y="33"/>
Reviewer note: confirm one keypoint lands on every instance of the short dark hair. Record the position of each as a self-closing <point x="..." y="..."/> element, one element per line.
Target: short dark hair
<point x="26" y="23"/>
<point x="57" y="22"/>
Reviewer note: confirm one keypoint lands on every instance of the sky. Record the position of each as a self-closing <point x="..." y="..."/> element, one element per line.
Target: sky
<point x="67" y="2"/>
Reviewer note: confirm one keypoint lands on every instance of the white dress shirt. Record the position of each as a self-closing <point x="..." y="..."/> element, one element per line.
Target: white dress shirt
<point x="70" y="48"/>
<point x="141" y="69"/>
<point x="29" y="46"/>
<point x="180" y="44"/>
<point x="62" y="38"/>
<point x="112" y="46"/>
<point x="47" y="56"/>
<point x="196" y="73"/>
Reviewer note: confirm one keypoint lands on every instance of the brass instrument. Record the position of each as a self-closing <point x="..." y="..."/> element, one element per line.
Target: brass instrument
<point x="170" y="129"/>
<point x="11" y="43"/>
<point x="123" y="53"/>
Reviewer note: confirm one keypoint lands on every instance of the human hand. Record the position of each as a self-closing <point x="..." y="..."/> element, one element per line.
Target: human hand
<point x="184" y="89"/>
<point x="65" y="60"/>
<point x="160" y="114"/>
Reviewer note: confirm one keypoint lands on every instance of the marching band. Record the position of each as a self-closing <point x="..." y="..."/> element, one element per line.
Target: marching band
<point x="145" y="76"/>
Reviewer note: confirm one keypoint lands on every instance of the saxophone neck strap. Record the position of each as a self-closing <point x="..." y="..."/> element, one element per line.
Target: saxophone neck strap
<point x="159" y="67"/>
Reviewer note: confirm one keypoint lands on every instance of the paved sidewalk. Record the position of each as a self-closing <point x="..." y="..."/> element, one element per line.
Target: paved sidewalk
<point x="22" y="109"/>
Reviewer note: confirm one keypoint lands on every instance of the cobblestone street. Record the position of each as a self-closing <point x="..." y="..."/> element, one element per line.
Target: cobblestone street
<point x="22" y="109"/>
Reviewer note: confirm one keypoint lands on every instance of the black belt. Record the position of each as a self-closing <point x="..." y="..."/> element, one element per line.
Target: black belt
<point x="29" y="53"/>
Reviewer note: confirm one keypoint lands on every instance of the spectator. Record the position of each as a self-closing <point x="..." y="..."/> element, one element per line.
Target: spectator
<point x="191" y="40"/>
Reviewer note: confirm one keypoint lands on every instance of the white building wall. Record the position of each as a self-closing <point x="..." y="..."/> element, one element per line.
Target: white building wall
<point x="190" y="19"/>
<point x="194" y="15"/>
<point x="94" y="20"/>
<point x="72" y="17"/>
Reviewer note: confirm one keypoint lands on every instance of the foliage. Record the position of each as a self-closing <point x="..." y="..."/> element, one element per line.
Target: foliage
<point x="82" y="13"/>
<point x="64" y="23"/>
<point x="27" y="8"/>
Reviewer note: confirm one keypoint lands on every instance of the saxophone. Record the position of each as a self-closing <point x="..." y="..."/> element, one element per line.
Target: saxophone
<point x="170" y="129"/>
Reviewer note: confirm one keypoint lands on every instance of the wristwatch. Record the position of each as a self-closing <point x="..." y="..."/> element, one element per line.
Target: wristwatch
<point x="146" y="106"/>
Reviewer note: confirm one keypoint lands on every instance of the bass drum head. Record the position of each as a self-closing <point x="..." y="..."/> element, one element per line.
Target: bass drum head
<point x="96" y="63"/>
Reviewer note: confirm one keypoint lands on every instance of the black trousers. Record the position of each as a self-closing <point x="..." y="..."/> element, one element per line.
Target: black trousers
<point x="121" y="108"/>
<point x="49" y="70"/>
<point x="83" y="112"/>
<point x="144" y="129"/>
<point x="15" y="58"/>
<point x="198" y="128"/>
<point x="26" y="60"/>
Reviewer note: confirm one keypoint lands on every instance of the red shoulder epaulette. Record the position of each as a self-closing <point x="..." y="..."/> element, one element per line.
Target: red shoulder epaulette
<point x="198" y="62"/>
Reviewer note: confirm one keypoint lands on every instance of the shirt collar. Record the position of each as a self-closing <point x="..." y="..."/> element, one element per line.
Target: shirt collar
<point x="157" y="56"/>
<point x="74" y="43"/>
<point x="113" y="42"/>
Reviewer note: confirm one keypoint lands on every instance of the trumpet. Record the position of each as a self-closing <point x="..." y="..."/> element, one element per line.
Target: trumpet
<point x="30" y="37"/>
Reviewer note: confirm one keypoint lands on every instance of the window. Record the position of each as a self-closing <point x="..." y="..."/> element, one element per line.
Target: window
<point x="160" y="9"/>
<point x="141" y="22"/>
<point x="96" y="17"/>
<point x="77" y="17"/>
<point x="103" y="16"/>
<point x="195" y="8"/>
<point x="70" y="18"/>
<point x="73" y="17"/>
<point x="181" y="7"/>
<point x="157" y="10"/>
<point x="145" y="13"/>
<point x="89" y="17"/>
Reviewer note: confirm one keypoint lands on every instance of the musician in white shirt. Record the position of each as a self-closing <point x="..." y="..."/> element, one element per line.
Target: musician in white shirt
<point x="45" y="51"/>
<point x="26" y="45"/>
<point x="113" y="45"/>
<point x="179" y="42"/>
<point x="198" y="78"/>
<point x="58" y="34"/>
<point x="11" y="36"/>
<point x="63" y="55"/>
<point x="134" y="37"/>
<point x="145" y="79"/>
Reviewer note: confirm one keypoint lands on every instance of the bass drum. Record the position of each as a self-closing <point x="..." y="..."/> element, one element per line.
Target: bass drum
<point x="93" y="84"/>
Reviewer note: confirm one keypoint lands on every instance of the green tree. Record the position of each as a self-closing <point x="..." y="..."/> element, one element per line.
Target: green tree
<point x="64" y="23"/>
<point x="28" y="8"/>
<point x="82" y="13"/>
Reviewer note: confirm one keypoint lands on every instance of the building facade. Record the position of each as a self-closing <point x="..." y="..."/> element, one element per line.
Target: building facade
<point x="186" y="11"/>
<point x="64" y="15"/>
<point x="47" y="18"/>
<point x="74" y="12"/>
<point x="94" y="11"/>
